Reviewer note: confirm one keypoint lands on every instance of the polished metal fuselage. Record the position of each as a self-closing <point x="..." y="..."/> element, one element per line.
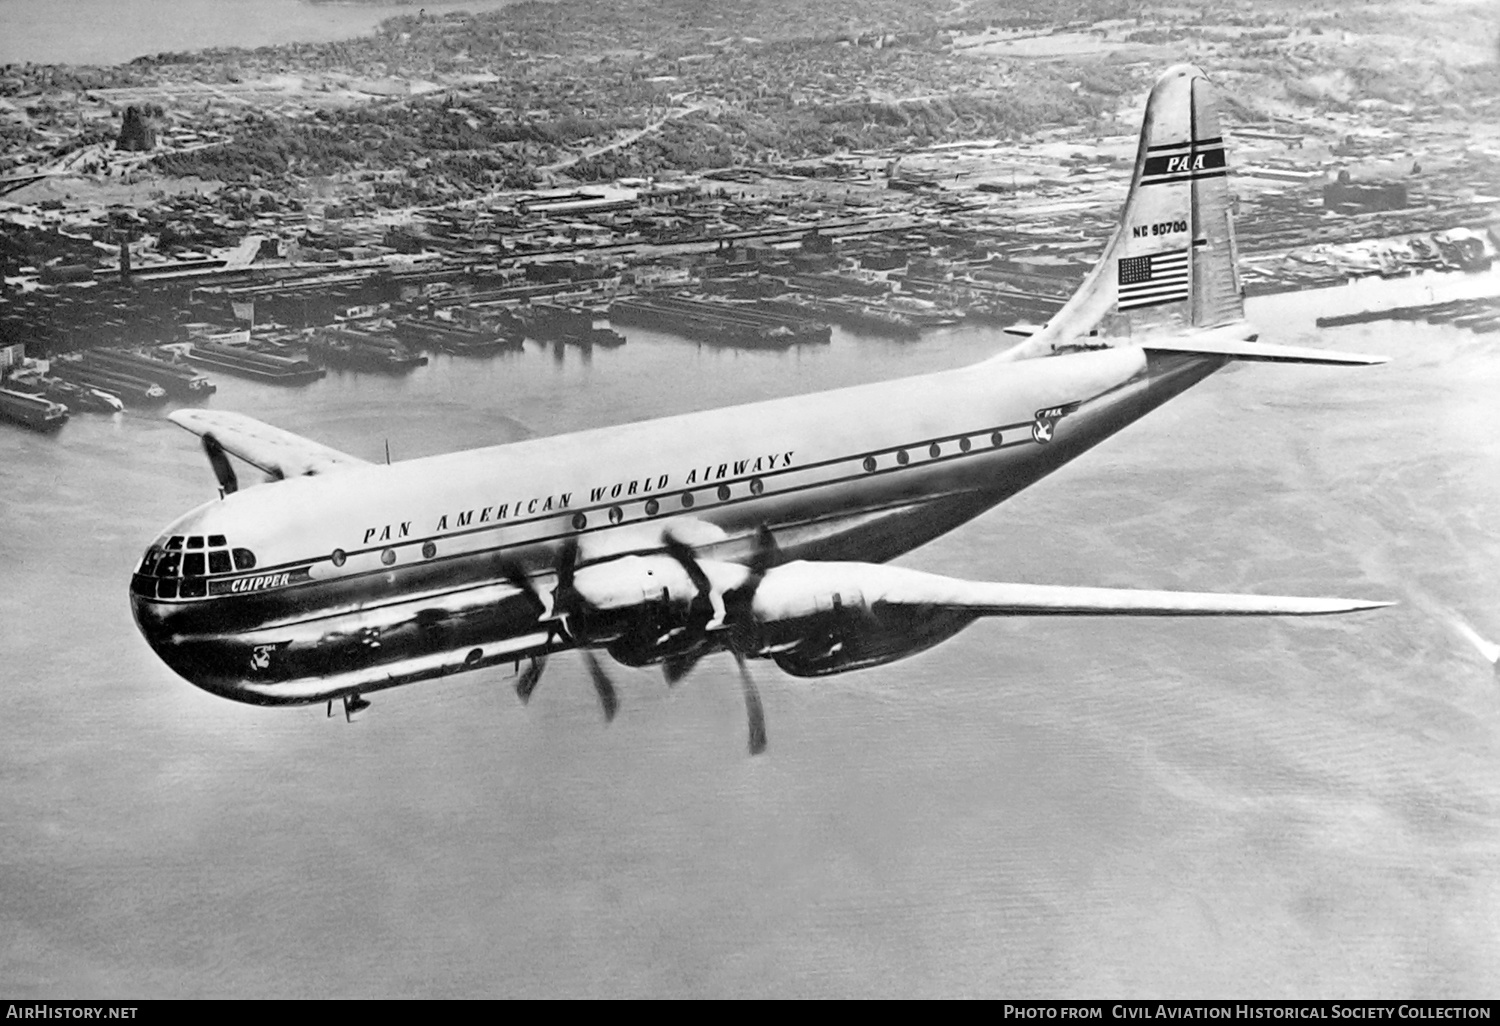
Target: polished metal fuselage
<point x="378" y="576"/>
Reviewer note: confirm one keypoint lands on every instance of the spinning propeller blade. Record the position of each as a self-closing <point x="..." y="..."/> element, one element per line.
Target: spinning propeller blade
<point x="530" y="678"/>
<point x="219" y="460"/>
<point x="738" y="617"/>
<point x="753" y="708"/>
<point x="602" y="685"/>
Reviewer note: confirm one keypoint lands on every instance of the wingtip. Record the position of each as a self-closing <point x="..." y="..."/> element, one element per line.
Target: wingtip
<point x="1362" y="605"/>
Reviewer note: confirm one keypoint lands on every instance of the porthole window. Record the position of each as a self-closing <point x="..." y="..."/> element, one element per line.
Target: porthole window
<point x="964" y="445"/>
<point x="244" y="559"/>
<point x="687" y="500"/>
<point x="579" y="521"/>
<point x="428" y="550"/>
<point x="869" y="462"/>
<point x="388" y="556"/>
<point x="616" y="514"/>
<point x="218" y="562"/>
<point x="652" y="506"/>
<point x="216" y="541"/>
<point x="757" y="486"/>
<point x="935" y="451"/>
<point x="902" y="458"/>
<point x="995" y="439"/>
<point x="723" y="492"/>
<point x="338" y="557"/>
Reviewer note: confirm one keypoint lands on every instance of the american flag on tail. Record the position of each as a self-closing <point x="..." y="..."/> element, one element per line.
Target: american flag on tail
<point x="1154" y="279"/>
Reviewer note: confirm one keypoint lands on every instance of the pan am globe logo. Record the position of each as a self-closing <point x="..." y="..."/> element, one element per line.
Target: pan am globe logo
<point x="1044" y="422"/>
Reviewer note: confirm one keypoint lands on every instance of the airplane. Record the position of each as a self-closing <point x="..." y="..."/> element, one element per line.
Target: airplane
<point x="760" y="530"/>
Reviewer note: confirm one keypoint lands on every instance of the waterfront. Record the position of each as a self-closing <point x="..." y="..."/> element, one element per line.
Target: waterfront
<point x="1037" y="808"/>
<point x="73" y="31"/>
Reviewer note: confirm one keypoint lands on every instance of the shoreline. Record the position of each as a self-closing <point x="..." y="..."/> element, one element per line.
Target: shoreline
<point x="44" y="33"/>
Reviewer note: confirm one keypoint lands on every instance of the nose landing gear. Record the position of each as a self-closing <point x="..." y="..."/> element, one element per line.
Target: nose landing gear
<point x="352" y="705"/>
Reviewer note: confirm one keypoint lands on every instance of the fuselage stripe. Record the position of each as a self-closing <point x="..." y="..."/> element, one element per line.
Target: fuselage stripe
<point x="634" y="520"/>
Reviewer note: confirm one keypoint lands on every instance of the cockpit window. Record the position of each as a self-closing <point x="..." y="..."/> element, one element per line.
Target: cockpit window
<point x="195" y="541"/>
<point x="216" y="541"/>
<point x="174" y="542"/>
<point x="148" y="565"/>
<point x="193" y="565"/>
<point x="168" y="565"/>
<point x="218" y="562"/>
<point x="244" y="559"/>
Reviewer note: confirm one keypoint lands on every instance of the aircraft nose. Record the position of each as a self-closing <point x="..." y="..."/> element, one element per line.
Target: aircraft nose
<point x="172" y="640"/>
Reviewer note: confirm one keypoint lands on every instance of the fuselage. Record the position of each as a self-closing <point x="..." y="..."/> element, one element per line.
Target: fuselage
<point x="377" y="576"/>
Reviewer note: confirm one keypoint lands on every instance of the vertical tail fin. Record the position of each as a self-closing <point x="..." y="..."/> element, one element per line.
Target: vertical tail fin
<point x="1171" y="264"/>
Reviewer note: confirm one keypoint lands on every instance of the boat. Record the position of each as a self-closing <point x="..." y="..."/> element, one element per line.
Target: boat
<point x="34" y="411"/>
<point x="350" y="349"/>
<point x="125" y="386"/>
<point x="249" y="363"/>
<point x="177" y="379"/>
<point x="74" y="397"/>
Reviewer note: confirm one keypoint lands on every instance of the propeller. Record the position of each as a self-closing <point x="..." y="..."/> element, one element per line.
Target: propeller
<point x="736" y="613"/>
<point x="753" y="709"/>
<point x="566" y="601"/>
<point x="219" y="460"/>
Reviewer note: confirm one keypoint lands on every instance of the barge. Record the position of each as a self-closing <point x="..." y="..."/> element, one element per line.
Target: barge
<point x="282" y="370"/>
<point x="34" y="411"/>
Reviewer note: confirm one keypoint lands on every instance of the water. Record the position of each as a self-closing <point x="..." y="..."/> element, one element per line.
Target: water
<point x="116" y="31"/>
<point x="1036" y="808"/>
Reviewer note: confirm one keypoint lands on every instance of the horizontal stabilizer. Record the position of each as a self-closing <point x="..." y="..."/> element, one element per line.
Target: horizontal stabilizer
<point x="261" y="445"/>
<point x="1240" y="349"/>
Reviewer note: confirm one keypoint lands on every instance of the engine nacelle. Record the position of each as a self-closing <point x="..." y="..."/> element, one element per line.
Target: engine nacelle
<point x="856" y="638"/>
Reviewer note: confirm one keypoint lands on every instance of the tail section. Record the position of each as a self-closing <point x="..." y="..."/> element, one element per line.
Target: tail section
<point x="1169" y="277"/>
<point x="1170" y="265"/>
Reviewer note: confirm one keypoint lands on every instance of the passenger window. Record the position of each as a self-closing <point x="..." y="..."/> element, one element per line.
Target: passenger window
<point x="192" y="565"/>
<point x="244" y="559"/>
<point x="216" y="541"/>
<point x="168" y="565"/>
<point x="218" y="562"/>
<point x="195" y="541"/>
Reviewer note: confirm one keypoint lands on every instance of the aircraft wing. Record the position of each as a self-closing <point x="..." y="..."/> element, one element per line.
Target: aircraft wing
<point x="270" y="448"/>
<point x="799" y="589"/>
